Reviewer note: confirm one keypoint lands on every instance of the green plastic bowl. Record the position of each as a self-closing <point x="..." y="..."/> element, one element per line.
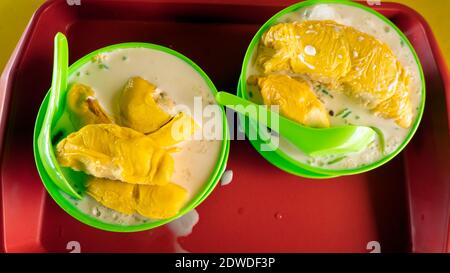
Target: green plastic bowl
<point x="208" y="186"/>
<point x="279" y="158"/>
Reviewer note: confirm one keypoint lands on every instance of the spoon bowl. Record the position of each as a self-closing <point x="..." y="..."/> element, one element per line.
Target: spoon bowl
<point x="312" y="141"/>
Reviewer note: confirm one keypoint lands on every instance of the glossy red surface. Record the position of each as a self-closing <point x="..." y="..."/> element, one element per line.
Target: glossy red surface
<point x="403" y="205"/>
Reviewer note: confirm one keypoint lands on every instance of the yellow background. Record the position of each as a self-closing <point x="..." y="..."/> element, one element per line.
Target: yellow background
<point x="15" y="14"/>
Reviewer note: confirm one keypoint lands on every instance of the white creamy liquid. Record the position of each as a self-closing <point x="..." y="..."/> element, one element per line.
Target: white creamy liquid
<point x="183" y="227"/>
<point x="393" y="134"/>
<point x="196" y="158"/>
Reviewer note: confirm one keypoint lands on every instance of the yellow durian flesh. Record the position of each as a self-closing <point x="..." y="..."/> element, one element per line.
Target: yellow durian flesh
<point x="114" y="152"/>
<point x="160" y="202"/>
<point x="314" y="48"/>
<point x="113" y="194"/>
<point x="138" y="108"/>
<point x="151" y="201"/>
<point x="295" y="98"/>
<point x="84" y="108"/>
<point x="128" y="167"/>
<point x="180" y="128"/>
<point x="343" y="58"/>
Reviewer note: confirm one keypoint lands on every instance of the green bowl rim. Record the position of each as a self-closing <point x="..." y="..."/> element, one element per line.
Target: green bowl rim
<point x="365" y="168"/>
<point x="214" y="178"/>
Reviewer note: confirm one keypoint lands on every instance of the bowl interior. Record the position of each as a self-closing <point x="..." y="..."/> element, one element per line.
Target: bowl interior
<point x="286" y="162"/>
<point x="204" y="191"/>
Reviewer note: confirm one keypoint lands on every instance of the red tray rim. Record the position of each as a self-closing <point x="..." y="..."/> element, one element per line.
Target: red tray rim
<point x="14" y="61"/>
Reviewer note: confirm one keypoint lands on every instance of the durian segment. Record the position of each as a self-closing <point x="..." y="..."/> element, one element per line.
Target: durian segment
<point x="151" y="201"/>
<point x="160" y="202"/>
<point x="113" y="194"/>
<point x="295" y="98"/>
<point x="114" y="152"/>
<point x="138" y="108"/>
<point x="84" y="108"/>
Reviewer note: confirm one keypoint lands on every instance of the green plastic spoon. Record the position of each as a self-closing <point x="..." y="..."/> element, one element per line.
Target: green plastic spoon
<point x="52" y="115"/>
<point x="312" y="141"/>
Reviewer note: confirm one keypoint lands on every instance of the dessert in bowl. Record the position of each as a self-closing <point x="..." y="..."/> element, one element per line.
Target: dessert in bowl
<point x="134" y="139"/>
<point x="334" y="63"/>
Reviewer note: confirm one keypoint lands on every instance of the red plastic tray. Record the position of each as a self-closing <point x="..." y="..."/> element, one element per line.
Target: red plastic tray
<point x="403" y="205"/>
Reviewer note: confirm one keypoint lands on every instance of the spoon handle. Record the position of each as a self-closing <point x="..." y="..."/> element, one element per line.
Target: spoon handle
<point x="247" y="108"/>
<point x="60" y="75"/>
<point x="54" y="111"/>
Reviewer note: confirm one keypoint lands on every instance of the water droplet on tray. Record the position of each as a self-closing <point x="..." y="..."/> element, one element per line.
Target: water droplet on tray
<point x="278" y="216"/>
